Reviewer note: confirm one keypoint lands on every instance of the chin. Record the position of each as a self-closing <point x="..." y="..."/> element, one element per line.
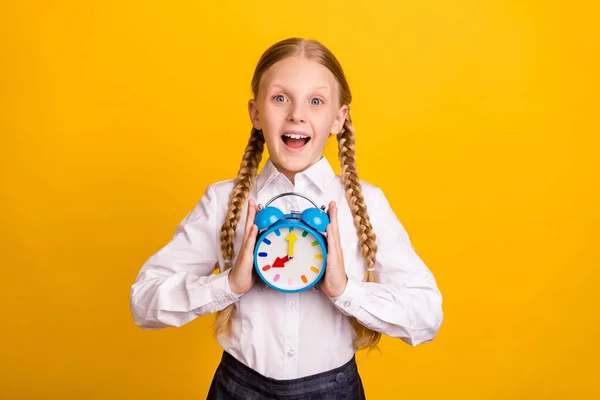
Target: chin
<point x="293" y="164"/>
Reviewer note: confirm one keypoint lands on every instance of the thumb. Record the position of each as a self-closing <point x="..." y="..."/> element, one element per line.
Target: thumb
<point x="248" y="253"/>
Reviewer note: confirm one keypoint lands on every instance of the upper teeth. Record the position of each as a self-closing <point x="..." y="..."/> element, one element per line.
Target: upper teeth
<point x="294" y="136"/>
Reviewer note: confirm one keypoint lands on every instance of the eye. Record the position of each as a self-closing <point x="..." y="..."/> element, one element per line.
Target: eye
<point x="279" y="98"/>
<point x="316" y="102"/>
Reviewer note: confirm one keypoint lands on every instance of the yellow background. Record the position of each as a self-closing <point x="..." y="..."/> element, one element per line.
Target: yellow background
<point x="479" y="119"/>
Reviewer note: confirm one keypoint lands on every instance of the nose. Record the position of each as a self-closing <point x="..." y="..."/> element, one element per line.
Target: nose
<point x="296" y="114"/>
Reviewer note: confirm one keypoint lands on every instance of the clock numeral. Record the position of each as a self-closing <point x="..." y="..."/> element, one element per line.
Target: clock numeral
<point x="314" y="269"/>
<point x="314" y="243"/>
<point x="304" y="279"/>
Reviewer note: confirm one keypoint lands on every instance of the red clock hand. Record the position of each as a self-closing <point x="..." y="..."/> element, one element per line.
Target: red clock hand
<point x="280" y="262"/>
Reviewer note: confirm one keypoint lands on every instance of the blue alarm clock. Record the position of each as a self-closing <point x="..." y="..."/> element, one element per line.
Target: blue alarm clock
<point x="291" y="250"/>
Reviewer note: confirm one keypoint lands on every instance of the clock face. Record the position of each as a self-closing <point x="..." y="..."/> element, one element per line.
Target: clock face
<point x="290" y="258"/>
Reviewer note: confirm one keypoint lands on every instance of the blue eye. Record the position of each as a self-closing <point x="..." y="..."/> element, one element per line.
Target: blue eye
<point x="279" y="98"/>
<point x="316" y="102"/>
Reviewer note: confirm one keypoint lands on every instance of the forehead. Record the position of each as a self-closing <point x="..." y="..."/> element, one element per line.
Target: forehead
<point x="299" y="73"/>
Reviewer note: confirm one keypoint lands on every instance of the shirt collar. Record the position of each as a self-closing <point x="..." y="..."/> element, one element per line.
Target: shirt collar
<point x="320" y="173"/>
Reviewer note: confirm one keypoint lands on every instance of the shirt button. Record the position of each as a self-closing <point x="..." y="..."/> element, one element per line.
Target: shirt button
<point x="347" y="304"/>
<point x="291" y="353"/>
<point x="340" y="377"/>
<point x="292" y="304"/>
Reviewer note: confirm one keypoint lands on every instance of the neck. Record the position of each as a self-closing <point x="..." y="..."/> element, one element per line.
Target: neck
<point x="292" y="174"/>
<point x="288" y="174"/>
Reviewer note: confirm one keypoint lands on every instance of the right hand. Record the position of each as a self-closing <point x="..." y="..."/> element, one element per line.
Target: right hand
<point x="241" y="277"/>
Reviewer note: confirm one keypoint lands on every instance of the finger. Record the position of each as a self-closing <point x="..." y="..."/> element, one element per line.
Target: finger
<point x="333" y="220"/>
<point x="330" y="209"/>
<point x="333" y="216"/>
<point x="252" y="207"/>
<point x="252" y="239"/>
<point x="336" y="228"/>
<point x="331" y="243"/>
<point x="335" y="235"/>
<point x="255" y="207"/>
<point x="331" y="212"/>
<point x="253" y="227"/>
<point x="248" y="251"/>
<point x="244" y="255"/>
<point x="249" y="218"/>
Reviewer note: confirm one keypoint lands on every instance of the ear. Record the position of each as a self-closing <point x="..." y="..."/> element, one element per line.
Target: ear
<point x="338" y="123"/>
<point x="253" y="112"/>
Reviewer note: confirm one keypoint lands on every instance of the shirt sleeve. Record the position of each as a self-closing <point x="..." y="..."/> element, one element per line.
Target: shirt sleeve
<point x="405" y="302"/>
<point x="177" y="284"/>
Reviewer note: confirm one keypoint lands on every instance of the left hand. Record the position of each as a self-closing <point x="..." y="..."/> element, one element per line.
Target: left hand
<point x="335" y="279"/>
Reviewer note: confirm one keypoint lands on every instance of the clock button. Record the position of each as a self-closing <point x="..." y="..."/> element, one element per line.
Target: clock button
<point x="291" y="353"/>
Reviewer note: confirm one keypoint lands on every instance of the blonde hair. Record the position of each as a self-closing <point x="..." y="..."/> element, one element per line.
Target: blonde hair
<point x="310" y="49"/>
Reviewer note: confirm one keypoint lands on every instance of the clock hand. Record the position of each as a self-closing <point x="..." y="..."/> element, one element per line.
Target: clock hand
<point x="291" y="238"/>
<point x="280" y="262"/>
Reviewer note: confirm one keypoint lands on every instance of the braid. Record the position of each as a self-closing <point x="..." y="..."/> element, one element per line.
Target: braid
<point x="365" y="338"/>
<point x="241" y="189"/>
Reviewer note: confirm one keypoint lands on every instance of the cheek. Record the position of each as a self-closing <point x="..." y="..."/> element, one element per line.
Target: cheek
<point x="272" y="117"/>
<point x="268" y="123"/>
<point x="271" y="128"/>
<point x="323" y="124"/>
<point x="271" y="137"/>
<point x="321" y="139"/>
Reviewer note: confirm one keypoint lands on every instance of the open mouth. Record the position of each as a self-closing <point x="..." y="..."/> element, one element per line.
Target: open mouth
<point x="295" y="141"/>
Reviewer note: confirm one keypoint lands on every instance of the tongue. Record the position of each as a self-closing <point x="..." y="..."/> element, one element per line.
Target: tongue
<point x="295" y="143"/>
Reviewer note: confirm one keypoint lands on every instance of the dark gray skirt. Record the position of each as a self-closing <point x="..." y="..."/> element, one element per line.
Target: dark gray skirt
<point x="234" y="380"/>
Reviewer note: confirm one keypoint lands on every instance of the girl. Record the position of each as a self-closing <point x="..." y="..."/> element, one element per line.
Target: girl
<point x="292" y="345"/>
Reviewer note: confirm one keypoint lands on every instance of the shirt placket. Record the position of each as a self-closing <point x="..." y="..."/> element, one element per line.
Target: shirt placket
<point x="292" y="322"/>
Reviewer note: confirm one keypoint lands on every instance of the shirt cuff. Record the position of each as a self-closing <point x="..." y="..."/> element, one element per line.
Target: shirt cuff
<point x="349" y="301"/>
<point x="221" y="291"/>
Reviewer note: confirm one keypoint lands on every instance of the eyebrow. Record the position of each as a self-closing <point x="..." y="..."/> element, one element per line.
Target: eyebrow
<point x="315" y="88"/>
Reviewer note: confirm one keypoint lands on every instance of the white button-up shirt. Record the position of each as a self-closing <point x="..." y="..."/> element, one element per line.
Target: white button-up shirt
<point x="291" y="335"/>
